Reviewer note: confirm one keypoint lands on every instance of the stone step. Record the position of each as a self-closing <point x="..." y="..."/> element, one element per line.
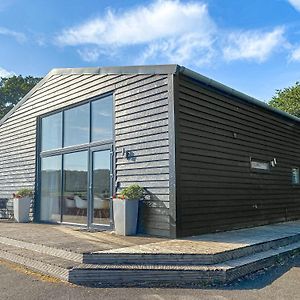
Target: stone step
<point x="138" y="258"/>
<point x="155" y="274"/>
<point x="131" y="256"/>
<point x="41" y="262"/>
<point x="258" y="261"/>
<point x="180" y="274"/>
<point x="62" y="253"/>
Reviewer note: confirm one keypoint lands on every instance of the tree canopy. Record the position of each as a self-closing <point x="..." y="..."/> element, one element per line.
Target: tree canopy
<point x="13" y="89"/>
<point x="288" y="100"/>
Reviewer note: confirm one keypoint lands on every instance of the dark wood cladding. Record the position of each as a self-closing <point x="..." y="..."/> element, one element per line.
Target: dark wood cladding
<point x="217" y="135"/>
<point x="190" y="147"/>
<point x="141" y="126"/>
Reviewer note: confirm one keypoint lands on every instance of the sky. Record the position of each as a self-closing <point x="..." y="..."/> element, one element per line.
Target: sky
<point x="250" y="45"/>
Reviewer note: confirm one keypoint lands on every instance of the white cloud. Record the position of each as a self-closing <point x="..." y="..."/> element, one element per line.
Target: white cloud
<point x="295" y="55"/>
<point x="92" y="54"/>
<point x="5" y="73"/>
<point x="172" y="30"/>
<point x="168" y="31"/>
<point x="19" y="36"/>
<point x="4" y="4"/>
<point x="189" y="48"/>
<point x="89" y="55"/>
<point x="295" y="4"/>
<point x="253" y="44"/>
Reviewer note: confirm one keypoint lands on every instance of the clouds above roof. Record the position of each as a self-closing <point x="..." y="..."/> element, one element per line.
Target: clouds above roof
<point x="171" y="29"/>
<point x="4" y="73"/>
<point x="295" y="4"/>
<point x="168" y="31"/>
<point x="253" y="44"/>
<point x="18" y="36"/>
<point x="295" y="55"/>
<point x="143" y="24"/>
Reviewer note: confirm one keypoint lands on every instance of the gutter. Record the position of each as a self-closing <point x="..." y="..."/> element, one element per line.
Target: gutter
<point x="232" y="92"/>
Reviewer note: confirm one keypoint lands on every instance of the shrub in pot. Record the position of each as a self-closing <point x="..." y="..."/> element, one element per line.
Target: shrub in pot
<point x="22" y="200"/>
<point x="125" y="209"/>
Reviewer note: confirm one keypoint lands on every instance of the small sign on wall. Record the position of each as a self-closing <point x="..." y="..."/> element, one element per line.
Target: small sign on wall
<point x="260" y="165"/>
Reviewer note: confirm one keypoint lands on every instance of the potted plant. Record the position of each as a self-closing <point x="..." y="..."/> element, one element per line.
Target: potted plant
<point x="125" y="209"/>
<point x="22" y="200"/>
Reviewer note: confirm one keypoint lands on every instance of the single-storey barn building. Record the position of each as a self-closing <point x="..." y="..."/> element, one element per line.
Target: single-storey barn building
<point x="209" y="157"/>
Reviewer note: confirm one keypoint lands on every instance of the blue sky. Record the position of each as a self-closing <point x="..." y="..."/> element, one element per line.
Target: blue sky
<point x="252" y="46"/>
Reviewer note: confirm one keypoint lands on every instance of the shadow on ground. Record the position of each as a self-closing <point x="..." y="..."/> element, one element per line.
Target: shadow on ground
<point x="255" y="281"/>
<point x="263" y="278"/>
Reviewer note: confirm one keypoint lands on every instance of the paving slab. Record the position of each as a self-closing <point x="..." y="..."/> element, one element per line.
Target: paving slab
<point x="77" y="240"/>
<point x="70" y="238"/>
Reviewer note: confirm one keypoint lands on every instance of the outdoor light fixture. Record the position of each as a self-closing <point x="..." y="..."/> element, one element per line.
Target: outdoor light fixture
<point x="127" y="153"/>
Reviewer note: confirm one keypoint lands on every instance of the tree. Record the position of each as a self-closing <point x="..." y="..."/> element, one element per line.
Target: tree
<point x="13" y="89"/>
<point x="288" y="100"/>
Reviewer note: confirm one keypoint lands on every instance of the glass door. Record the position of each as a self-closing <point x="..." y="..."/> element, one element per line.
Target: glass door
<point x="100" y="186"/>
<point x="75" y="192"/>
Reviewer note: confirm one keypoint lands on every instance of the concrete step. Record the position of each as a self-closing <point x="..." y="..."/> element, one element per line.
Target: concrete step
<point x="138" y="258"/>
<point x="62" y="253"/>
<point x="154" y="274"/>
<point x="180" y="274"/>
<point x="41" y="262"/>
<point x="129" y="256"/>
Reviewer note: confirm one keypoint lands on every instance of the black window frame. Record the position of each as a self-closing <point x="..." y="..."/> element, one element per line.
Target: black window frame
<point x="78" y="146"/>
<point x="107" y="144"/>
<point x="61" y="127"/>
<point x="64" y="124"/>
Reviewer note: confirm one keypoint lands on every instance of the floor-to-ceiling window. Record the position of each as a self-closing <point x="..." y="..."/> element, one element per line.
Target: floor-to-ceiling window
<point x="75" y="193"/>
<point x="76" y="163"/>
<point x="50" y="188"/>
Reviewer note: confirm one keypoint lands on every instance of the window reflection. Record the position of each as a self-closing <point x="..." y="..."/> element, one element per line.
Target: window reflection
<point x="102" y="118"/>
<point x="75" y="187"/>
<point x="52" y="132"/>
<point x="50" y="188"/>
<point x="64" y="195"/>
<point x="76" y="125"/>
<point x="101" y="187"/>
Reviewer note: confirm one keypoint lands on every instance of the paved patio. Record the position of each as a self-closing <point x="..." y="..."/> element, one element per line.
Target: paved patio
<point x="78" y="240"/>
<point x="71" y="238"/>
<point x="82" y="257"/>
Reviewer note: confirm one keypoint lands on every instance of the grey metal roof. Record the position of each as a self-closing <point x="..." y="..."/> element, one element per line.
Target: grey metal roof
<point x="152" y="69"/>
<point x="227" y="90"/>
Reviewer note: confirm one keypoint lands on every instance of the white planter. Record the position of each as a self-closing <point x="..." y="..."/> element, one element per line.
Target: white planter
<point x="125" y="216"/>
<point x="21" y="209"/>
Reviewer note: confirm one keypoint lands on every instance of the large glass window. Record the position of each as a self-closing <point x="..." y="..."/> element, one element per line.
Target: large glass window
<point x="65" y="174"/>
<point x="101" y="186"/>
<point x="102" y="118"/>
<point x="75" y="187"/>
<point x="50" y="188"/>
<point x="77" y="125"/>
<point x="52" y="132"/>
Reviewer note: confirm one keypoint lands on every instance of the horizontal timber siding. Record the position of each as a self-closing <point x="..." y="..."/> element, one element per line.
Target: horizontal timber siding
<point x="217" y="136"/>
<point x="141" y="126"/>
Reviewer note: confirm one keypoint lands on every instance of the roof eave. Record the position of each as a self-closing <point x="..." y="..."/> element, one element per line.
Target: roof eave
<point x="149" y="69"/>
<point x="227" y="90"/>
<point x="27" y="96"/>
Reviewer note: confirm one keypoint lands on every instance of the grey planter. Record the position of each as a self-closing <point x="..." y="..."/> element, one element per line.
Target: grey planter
<point x="21" y="209"/>
<point x="125" y="216"/>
